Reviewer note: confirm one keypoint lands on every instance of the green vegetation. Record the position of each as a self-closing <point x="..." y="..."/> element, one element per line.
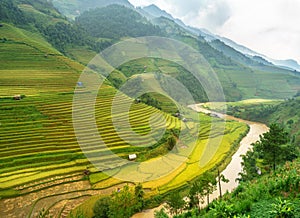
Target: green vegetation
<point x="274" y="148"/>
<point x="122" y="203"/>
<point x="115" y="22"/>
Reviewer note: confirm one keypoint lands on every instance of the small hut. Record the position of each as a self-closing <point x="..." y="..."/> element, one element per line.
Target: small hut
<point x="86" y="172"/>
<point x="17" y="97"/>
<point x="132" y="157"/>
<point x="80" y="84"/>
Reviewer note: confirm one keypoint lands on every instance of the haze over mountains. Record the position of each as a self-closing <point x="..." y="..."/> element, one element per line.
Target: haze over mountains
<point x="152" y="11"/>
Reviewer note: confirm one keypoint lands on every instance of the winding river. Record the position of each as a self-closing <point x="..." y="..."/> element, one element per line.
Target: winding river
<point x="233" y="169"/>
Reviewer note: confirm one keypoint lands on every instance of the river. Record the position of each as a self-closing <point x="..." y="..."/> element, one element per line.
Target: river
<point x="233" y="169"/>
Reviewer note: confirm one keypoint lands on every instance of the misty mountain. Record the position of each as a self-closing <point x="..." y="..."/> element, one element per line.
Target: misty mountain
<point x="74" y="8"/>
<point x="250" y="56"/>
<point x="155" y="12"/>
<point x="285" y="64"/>
<point x="288" y="64"/>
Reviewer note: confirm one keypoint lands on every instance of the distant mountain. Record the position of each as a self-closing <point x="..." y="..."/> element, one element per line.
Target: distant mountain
<point x="289" y="64"/>
<point x="155" y="11"/>
<point x="73" y="8"/>
<point x="286" y="64"/>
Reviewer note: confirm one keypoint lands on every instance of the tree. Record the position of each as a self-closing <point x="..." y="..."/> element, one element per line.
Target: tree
<point x="101" y="208"/>
<point x="273" y="148"/>
<point x="270" y="145"/>
<point x="202" y="187"/>
<point x="160" y="214"/>
<point x="122" y="203"/>
<point x="171" y="142"/>
<point x="221" y="178"/>
<point x="175" y="203"/>
<point x="249" y="166"/>
<point x="139" y="196"/>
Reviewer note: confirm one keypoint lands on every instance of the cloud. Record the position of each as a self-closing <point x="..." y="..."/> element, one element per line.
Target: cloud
<point x="212" y="15"/>
<point x="270" y="26"/>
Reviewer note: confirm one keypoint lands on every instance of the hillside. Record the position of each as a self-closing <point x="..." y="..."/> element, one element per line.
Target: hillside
<point x="115" y="22"/>
<point x="240" y="76"/>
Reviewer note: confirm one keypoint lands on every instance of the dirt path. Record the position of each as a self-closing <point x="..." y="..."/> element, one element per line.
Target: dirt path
<point x="234" y="167"/>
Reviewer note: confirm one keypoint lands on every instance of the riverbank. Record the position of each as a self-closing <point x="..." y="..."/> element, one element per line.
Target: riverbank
<point x="233" y="169"/>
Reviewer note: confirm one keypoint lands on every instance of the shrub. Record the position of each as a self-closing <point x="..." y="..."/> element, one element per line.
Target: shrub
<point x="282" y="209"/>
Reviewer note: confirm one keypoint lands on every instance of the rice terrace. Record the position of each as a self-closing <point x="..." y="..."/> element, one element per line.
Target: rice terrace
<point x="54" y="164"/>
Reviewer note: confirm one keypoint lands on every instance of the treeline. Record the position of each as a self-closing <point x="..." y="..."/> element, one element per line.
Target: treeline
<point x="61" y="35"/>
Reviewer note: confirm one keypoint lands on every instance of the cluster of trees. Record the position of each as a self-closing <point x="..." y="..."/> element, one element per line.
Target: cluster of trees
<point x="63" y="34"/>
<point x="200" y="190"/>
<point x="274" y="148"/>
<point x="122" y="203"/>
<point x="151" y="101"/>
<point x="10" y="12"/>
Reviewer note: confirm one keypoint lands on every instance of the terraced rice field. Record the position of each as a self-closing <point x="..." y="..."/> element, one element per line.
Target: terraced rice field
<point x="37" y="140"/>
<point x="41" y="162"/>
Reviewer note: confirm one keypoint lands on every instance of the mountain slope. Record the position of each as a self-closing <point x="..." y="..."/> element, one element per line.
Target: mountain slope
<point x="115" y="22"/>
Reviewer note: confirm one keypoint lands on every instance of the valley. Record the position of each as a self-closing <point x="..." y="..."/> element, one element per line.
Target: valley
<point x="54" y="164"/>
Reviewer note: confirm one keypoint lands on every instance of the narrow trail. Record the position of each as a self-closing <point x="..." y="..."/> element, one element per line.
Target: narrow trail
<point x="233" y="169"/>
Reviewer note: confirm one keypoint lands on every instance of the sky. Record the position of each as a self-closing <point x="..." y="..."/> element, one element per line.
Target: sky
<point x="269" y="27"/>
